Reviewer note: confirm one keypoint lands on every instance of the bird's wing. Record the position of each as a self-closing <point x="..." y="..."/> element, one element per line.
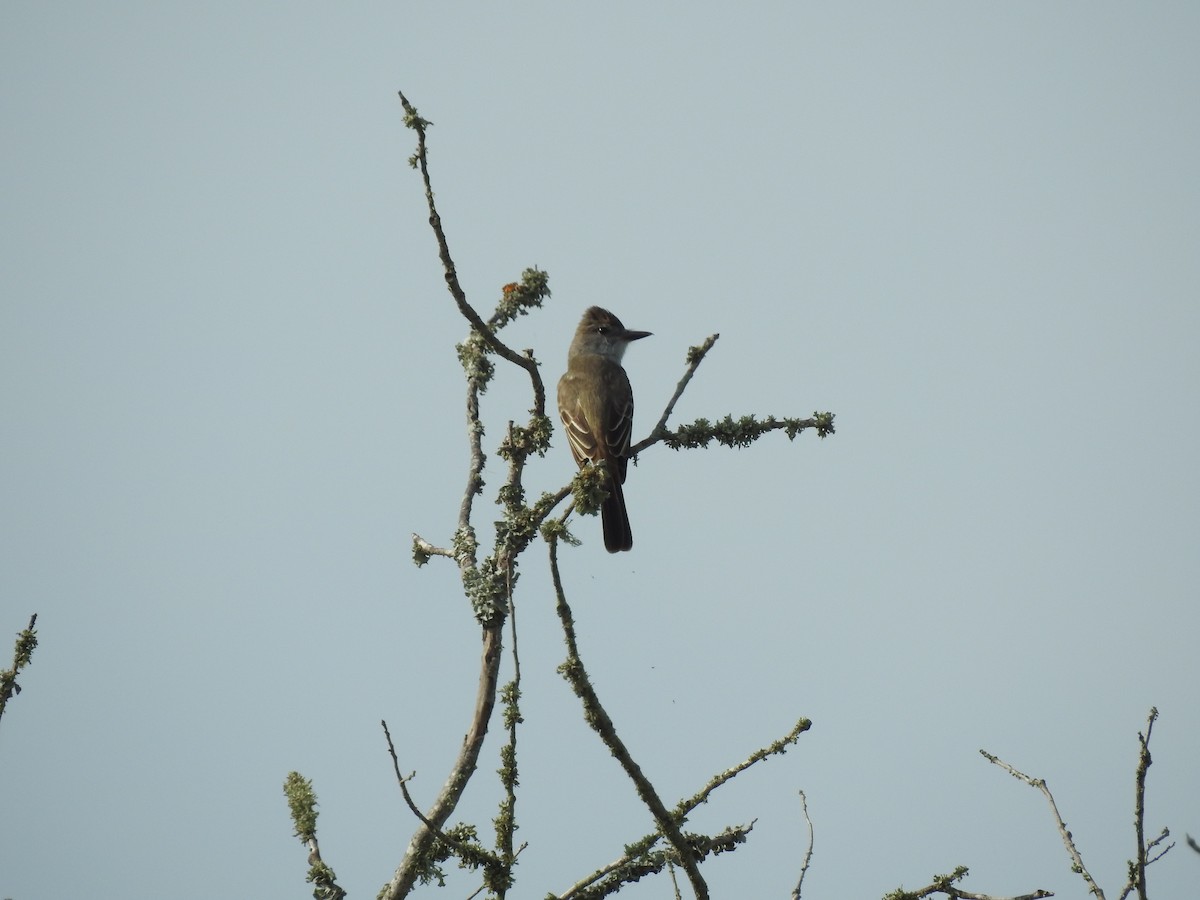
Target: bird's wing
<point x="618" y="422"/>
<point x="579" y="435"/>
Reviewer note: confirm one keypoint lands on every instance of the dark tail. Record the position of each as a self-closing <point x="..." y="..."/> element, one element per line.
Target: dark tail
<point x="617" y="535"/>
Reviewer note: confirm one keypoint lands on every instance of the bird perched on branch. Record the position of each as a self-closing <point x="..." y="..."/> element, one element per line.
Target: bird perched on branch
<point x="596" y="405"/>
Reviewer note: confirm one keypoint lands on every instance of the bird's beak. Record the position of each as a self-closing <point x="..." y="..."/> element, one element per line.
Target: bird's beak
<point x="636" y="335"/>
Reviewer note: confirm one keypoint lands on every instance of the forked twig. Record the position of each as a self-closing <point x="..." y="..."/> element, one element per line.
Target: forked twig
<point x="1144" y="856"/>
<point x="459" y="846"/>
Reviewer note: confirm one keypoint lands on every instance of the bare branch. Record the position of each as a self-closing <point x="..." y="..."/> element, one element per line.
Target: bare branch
<point x="1144" y="858"/>
<point x="808" y="852"/>
<point x="1040" y="783"/>
<point x="1162" y="836"/>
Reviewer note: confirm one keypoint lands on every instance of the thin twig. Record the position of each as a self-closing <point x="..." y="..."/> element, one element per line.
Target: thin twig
<point x="1040" y="783"/>
<point x="808" y="852"/>
<point x="1151" y="859"/>
<point x="674" y="881"/>
<point x="1162" y="836"/>
<point x="459" y="846"/>
<point x="779" y="746"/>
<point x="695" y="357"/>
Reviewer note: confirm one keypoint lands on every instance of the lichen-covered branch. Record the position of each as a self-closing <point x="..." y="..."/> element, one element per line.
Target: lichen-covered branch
<point x="947" y="886"/>
<point x="776" y="748"/>
<point x="640" y="859"/>
<point x="26" y="643"/>
<point x="642" y="862"/>
<point x="744" y="431"/>
<point x="506" y="819"/>
<point x="730" y="432"/>
<point x="302" y="804"/>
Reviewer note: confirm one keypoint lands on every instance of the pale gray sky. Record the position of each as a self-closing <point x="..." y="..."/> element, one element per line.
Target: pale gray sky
<point x="228" y="394"/>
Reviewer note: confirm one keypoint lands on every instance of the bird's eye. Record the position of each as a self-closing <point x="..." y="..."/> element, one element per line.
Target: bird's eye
<point x="601" y="329"/>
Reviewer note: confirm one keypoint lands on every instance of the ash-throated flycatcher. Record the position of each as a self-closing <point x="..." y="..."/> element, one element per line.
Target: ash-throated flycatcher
<point x="596" y="405"/>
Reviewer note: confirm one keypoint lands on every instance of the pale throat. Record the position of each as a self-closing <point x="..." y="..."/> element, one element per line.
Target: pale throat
<point x="598" y="345"/>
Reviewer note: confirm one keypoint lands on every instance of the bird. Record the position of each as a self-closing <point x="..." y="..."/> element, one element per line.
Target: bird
<point x="595" y="401"/>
